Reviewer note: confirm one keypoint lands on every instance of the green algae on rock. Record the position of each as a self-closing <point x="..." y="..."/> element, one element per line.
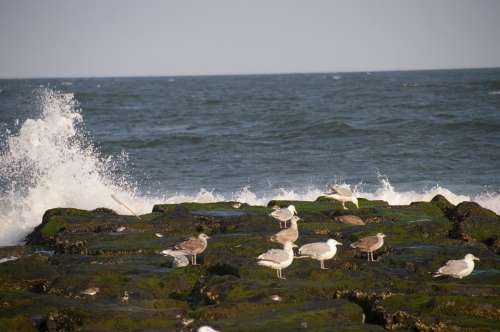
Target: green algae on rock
<point x="72" y="250"/>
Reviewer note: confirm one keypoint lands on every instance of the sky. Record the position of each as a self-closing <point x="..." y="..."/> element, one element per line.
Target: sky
<point x="69" y="38"/>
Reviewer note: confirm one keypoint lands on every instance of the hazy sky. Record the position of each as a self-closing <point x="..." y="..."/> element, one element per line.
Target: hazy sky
<point x="115" y="38"/>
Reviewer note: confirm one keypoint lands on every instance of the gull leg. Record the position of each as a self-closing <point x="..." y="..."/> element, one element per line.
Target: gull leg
<point x="323" y="265"/>
<point x="368" y="255"/>
<point x="194" y="259"/>
<point x="278" y="273"/>
<point x="343" y="205"/>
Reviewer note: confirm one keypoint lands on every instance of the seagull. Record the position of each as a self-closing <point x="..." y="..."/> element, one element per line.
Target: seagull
<point x="207" y="329"/>
<point x="320" y="251"/>
<point x="370" y="244"/>
<point x="278" y="259"/>
<point x="290" y="234"/>
<point x="180" y="259"/>
<point x="236" y="205"/>
<point x="158" y="234"/>
<point x="284" y="214"/>
<point x="90" y="291"/>
<point x="342" y="194"/>
<point x="457" y="268"/>
<point x="121" y="229"/>
<point x="194" y="246"/>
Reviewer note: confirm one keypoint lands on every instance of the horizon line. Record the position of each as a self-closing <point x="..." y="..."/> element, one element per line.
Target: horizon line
<point x="244" y="74"/>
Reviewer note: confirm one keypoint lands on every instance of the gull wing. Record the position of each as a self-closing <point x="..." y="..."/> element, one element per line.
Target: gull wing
<point x="316" y="248"/>
<point x="281" y="214"/>
<point x="341" y="191"/>
<point x="453" y="267"/>
<point x="191" y="244"/>
<point x="274" y="255"/>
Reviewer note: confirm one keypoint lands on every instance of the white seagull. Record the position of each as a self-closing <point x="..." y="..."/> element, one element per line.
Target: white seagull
<point x="180" y="259"/>
<point x="457" y="268"/>
<point x="320" y="251"/>
<point x="278" y="259"/>
<point x="342" y="194"/>
<point x="207" y="329"/>
<point x="284" y="214"/>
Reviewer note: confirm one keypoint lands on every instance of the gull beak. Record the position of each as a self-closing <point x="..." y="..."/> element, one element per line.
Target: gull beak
<point x="340" y="244"/>
<point x="476" y="259"/>
<point x="295" y="246"/>
<point x="208" y="237"/>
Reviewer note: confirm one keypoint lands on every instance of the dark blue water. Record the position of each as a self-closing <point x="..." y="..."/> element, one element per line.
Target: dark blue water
<point x="184" y="133"/>
<point x="266" y="132"/>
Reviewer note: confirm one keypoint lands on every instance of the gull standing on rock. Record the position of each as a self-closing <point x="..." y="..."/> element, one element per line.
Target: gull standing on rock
<point x="207" y="328"/>
<point x="290" y="234"/>
<point x="342" y="194"/>
<point x="278" y="259"/>
<point x="457" y="268"/>
<point x="320" y="251"/>
<point x="370" y="244"/>
<point x="194" y="246"/>
<point x="284" y="214"/>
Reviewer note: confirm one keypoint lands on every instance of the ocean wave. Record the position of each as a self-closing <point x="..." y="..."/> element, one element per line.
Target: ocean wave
<point x="50" y="162"/>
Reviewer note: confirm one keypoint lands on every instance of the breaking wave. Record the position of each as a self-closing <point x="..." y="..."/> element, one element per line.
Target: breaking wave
<point x="50" y="162"/>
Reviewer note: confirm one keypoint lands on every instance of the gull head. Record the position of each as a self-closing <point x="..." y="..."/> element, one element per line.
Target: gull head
<point x="381" y="235"/>
<point x="203" y="236"/>
<point x="292" y="209"/>
<point x="295" y="219"/>
<point x="471" y="257"/>
<point x="333" y="243"/>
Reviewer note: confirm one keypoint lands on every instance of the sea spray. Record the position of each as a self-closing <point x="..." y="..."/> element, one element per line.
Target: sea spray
<point x="50" y="163"/>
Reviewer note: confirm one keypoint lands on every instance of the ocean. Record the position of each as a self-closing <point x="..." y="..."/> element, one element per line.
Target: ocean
<point x="398" y="136"/>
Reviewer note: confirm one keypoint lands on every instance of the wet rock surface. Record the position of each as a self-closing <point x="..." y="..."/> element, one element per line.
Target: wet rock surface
<point x="139" y="290"/>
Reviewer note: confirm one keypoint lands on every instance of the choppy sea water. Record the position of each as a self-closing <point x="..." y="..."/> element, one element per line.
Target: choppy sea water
<point x="397" y="136"/>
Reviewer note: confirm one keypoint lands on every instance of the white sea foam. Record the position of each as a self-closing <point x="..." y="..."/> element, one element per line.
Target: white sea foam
<point x="49" y="163"/>
<point x="494" y="93"/>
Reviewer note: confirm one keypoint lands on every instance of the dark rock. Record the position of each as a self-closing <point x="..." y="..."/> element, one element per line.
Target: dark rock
<point x="441" y="202"/>
<point x="350" y="220"/>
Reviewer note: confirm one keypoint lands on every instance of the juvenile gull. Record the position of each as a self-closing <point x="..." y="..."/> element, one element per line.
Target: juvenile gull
<point x="180" y="259"/>
<point x="369" y="244"/>
<point x="278" y="259"/>
<point x="194" y="246"/>
<point x="457" y="268"/>
<point x="342" y="194"/>
<point x="320" y="251"/>
<point x="290" y="234"/>
<point x="284" y="214"/>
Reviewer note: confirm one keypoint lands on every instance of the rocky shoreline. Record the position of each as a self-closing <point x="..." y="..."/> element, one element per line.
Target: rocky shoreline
<point x="73" y="250"/>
